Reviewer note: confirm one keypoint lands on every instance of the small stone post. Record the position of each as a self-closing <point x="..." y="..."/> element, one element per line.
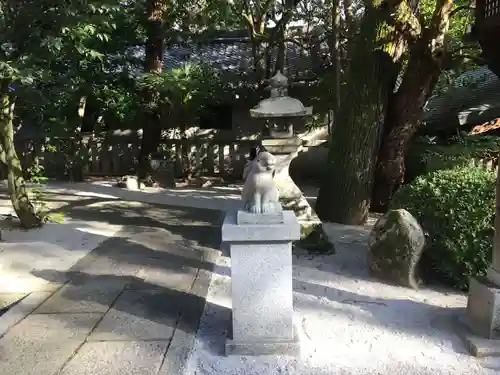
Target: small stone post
<point x="483" y="306"/>
<point x="260" y="242"/>
<point x="261" y="286"/>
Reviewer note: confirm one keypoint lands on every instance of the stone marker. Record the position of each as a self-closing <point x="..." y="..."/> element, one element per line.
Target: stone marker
<point x="396" y="243"/>
<point x="260" y="244"/>
<point x="162" y="174"/>
<point x="130" y="183"/>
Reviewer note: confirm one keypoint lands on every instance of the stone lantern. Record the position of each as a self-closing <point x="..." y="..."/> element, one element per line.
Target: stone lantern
<point x="282" y="110"/>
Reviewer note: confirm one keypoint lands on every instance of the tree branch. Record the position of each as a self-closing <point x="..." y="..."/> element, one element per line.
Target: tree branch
<point x="402" y="17"/>
<point x="247" y="16"/>
<point x="461" y="48"/>
<point x="475" y="58"/>
<point x="285" y="18"/>
<point x="460" y="8"/>
<point x="440" y="22"/>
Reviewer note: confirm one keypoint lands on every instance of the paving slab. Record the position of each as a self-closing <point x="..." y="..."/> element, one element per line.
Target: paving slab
<point x="52" y="327"/>
<point x="53" y="246"/>
<point x="123" y="304"/>
<point x="7" y="299"/>
<point x="92" y="296"/>
<point x="139" y="315"/>
<point x="21" y="310"/>
<point x="42" y="343"/>
<point x="117" y="358"/>
<point x="24" y="282"/>
<point x="106" y="265"/>
<point x="180" y="279"/>
<point x="185" y="335"/>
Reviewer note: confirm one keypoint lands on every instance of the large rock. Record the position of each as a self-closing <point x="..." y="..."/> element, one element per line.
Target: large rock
<point x="162" y="174"/>
<point x="396" y="243"/>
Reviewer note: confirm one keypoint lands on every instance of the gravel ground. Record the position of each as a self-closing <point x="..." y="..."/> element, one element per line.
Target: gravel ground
<point x="348" y="323"/>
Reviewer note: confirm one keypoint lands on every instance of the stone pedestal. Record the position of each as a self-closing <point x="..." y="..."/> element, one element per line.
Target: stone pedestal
<point x="483" y="306"/>
<point x="481" y="330"/>
<point x="291" y="197"/>
<point x="261" y="286"/>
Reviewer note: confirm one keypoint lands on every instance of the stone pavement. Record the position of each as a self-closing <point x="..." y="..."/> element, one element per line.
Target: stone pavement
<point x="131" y="306"/>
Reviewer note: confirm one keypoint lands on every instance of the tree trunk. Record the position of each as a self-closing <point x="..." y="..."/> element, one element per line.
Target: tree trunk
<point x="151" y="131"/>
<point x="21" y="203"/>
<point x="344" y="196"/>
<point x="77" y="158"/>
<point x="351" y="27"/>
<point x="406" y="106"/>
<point x="335" y="52"/>
<point x="281" y="54"/>
<point x="402" y="122"/>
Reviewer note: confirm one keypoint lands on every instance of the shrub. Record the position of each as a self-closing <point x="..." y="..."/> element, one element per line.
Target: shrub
<point x="426" y="155"/>
<point x="456" y="208"/>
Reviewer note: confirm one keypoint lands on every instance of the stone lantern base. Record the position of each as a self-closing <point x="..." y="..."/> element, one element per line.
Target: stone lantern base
<point x="291" y="197"/>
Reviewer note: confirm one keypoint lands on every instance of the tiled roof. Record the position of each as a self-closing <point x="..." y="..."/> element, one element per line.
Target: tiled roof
<point x="236" y="57"/>
<point x="474" y="99"/>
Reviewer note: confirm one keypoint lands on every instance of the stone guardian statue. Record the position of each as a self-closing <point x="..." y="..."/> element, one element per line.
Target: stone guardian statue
<point x="260" y="195"/>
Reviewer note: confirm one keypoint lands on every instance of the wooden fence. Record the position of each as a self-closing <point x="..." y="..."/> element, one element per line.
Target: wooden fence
<point x="117" y="156"/>
<point x="488" y="163"/>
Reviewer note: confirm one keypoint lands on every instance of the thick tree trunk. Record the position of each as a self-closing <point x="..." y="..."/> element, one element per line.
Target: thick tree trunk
<point x="402" y="123"/>
<point x="344" y="196"/>
<point x="406" y="106"/>
<point x="336" y="64"/>
<point x="21" y="203"/>
<point x="151" y="131"/>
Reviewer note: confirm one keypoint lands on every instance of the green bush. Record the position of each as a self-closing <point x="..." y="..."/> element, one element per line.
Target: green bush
<point x="426" y="155"/>
<point x="455" y="208"/>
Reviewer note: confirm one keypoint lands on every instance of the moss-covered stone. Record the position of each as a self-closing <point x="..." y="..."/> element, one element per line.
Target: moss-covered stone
<point x="396" y="243"/>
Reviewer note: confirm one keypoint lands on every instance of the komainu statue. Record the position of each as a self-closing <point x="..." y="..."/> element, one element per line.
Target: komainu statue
<point x="260" y="194"/>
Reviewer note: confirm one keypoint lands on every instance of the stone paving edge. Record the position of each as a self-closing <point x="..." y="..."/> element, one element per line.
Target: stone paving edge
<point x="182" y="342"/>
<point x="22" y="309"/>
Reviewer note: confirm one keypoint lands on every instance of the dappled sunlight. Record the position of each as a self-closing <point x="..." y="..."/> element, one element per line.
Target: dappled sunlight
<point x="53" y="190"/>
<point x="233" y="189"/>
<point x="55" y="246"/>
<point x="99" y="229"/>
<point x="320" y="282"/>
<point x="209" y="198"/>
<point x="12" y="283"/>
<point x="117" y="204"/>
<point x="220" y="288"/>
<point x="346" y="271"/>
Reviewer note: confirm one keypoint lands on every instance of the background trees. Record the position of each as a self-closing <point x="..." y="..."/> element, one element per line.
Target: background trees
<point x="398" y="57"/>
<point x="72" y="66"/>
<point x="44" y="45"/>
